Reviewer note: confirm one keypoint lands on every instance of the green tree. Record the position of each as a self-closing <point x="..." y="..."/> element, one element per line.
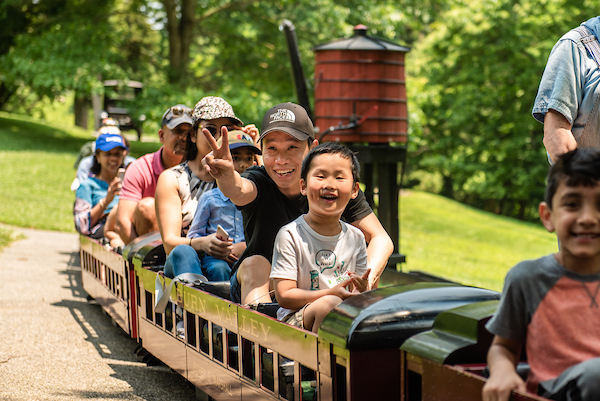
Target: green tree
<point x="474" y="79"/>
<point x="73" y="44"/>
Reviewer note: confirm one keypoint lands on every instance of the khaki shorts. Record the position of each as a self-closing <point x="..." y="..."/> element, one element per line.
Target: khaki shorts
<point x="296" y="318"/>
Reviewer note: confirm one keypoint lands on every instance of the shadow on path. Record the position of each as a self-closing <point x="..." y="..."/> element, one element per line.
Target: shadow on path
<point x="117" y="348"/>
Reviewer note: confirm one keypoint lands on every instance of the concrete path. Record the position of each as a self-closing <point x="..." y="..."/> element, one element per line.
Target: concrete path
<point x="54" y="345"/>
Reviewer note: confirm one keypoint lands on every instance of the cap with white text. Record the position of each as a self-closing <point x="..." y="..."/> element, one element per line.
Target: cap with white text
<point x="289" y="118"/>
<point x="108" y="141"/>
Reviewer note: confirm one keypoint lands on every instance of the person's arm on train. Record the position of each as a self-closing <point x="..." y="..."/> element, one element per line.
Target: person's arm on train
<point x="124" y="220"/>
<point x="558" y="137"/>
<point x="168" y="211"/>
<point x="380" y="246"/>
<point x="219" y="164"/>
<point x="502" y="359"/>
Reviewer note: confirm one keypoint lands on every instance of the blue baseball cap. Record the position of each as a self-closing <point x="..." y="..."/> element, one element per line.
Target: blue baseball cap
<point x="108" y="141"/>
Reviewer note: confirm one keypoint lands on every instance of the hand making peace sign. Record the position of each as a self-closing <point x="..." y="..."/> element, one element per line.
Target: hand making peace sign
<point x="218" y="163"/>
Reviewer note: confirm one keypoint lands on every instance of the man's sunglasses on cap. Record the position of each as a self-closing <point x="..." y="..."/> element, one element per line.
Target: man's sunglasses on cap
<point x="178" y="111"/>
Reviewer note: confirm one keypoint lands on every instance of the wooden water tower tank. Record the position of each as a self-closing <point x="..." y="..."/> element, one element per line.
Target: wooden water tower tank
<point x="358" y="76"/>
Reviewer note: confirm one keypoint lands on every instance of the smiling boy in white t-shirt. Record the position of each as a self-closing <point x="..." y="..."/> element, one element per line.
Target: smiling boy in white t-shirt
<point x="319" y="260"/>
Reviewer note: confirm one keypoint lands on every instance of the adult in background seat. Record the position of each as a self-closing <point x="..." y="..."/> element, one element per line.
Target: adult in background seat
<point x="568" y="98"/>
<point x="180" y="188"/>
<point x="97" y="197"/>
<point x="136" y="215"/>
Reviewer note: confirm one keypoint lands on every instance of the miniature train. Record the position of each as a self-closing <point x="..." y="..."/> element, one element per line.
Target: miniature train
<point x="415" y="338"/>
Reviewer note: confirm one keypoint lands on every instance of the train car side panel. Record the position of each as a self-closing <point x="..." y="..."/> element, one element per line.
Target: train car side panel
<point x="105" y="278"/>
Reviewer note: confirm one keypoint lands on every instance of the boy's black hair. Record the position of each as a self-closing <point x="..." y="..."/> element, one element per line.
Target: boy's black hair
<point x="332" y="148"/>
<point x="577" y="167"/>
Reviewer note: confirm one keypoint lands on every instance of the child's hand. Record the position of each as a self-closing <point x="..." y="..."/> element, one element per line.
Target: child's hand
<point x="251" y="130"/>
<point x="340" y="289"/>
<point x="360" y="283"/>
<point x="236" y="251"/>
<point x="499" y="386"/>
<point x="218" y="248"/>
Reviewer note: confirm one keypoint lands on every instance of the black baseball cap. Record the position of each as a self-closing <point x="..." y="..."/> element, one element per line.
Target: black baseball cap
<point x="289" y="118"/>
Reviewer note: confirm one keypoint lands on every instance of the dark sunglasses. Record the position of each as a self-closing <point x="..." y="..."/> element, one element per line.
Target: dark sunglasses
<point x="178" y="111"/>
<point x="217" y="130"/>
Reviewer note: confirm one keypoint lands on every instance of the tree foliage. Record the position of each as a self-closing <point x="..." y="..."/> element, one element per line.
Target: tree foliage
<point x="474" y="79"/>
<point x="66" y="45"/>
<point x="472" y="73"/>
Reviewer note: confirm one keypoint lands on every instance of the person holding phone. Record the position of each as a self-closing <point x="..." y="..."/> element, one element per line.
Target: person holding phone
<point x="180" y="188"/>
<point x="217" y="215"/>
<point x="97" y="197"/>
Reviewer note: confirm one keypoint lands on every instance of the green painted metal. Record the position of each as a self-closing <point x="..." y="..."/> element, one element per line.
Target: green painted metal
<point x="456" y="331"/>
<point x="147" y="278"/>
<point x="209" y="307"/>
<point x="291" y="342"/>
<point x="338" y="324"/>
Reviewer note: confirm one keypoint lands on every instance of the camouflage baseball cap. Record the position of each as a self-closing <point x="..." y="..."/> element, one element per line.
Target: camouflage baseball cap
<point x="213" y="107"/>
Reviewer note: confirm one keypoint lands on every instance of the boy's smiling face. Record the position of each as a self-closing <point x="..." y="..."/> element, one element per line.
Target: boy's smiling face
<point x="575" y="216"/>
<point x="329" y="185"/>
<point x="242" y="158"/>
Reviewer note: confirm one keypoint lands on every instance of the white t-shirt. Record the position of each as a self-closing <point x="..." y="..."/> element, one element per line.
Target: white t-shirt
<point x="317" y="261"/>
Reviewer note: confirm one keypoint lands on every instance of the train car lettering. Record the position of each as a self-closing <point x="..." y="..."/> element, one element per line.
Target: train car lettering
<point x="224" y="314"/>
<point x="255" y="328"/>
<point x="254" y="325"/>
<point x="250" y="327"/>
<point x="265" y="329"/>
<point x="194" y="303"/>
<point x="212" y="379"/>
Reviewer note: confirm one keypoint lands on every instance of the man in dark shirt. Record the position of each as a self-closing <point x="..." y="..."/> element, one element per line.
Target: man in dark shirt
<point x="269" y="197"/>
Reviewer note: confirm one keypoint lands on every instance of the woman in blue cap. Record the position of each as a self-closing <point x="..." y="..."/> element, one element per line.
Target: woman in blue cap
<point x="97" y="197"/>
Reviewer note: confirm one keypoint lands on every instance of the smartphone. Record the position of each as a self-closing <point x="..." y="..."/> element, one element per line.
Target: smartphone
<point x="121" y="173"/>
<point x="222" y="234"/>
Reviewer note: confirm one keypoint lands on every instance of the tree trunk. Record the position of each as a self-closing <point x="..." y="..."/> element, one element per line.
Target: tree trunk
<point x="5" y="94"/>
<point x="181" y="32"/>
<point x="188" y="21"/>
<point x="174" y="37"/>
<point x="447" y="187"/>
<point x="81" y="108"/>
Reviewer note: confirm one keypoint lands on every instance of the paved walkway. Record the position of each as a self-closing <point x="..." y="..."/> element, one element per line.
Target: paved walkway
<point x="54" y="345"/>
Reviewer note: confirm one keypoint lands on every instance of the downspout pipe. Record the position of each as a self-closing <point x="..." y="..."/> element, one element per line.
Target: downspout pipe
<point x="299" y="81"/>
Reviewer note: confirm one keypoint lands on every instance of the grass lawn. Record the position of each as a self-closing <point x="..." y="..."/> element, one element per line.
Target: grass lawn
<point x="449" y="239"/>
<point x="36" y="162"/>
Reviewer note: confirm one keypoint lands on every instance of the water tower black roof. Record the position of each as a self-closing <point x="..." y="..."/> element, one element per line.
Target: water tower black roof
<point x="362" y="41"/>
